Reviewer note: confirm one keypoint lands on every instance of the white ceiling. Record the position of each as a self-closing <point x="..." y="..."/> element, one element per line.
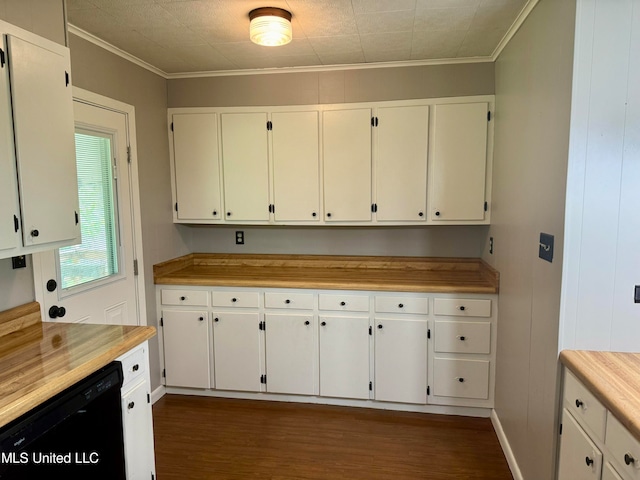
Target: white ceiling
<point x="182" y="36"/>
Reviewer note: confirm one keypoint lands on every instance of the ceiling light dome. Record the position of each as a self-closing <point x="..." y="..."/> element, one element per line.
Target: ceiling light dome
<point x="270" y="26"/>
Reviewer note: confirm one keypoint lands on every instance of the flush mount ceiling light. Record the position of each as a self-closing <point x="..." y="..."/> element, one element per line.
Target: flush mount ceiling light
<point x="270" y="26"/>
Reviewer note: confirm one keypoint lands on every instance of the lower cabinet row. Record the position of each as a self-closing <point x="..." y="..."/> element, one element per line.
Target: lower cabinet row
<point x="309" y="354"/>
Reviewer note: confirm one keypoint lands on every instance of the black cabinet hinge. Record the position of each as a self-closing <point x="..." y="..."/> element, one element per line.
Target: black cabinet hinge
<point x="374" y="207"/>
<point x="16" y="223"/>
<point x="269" y="125"/>
<point x="262" y="326"/>
<point x="176" y="206"/>
<point x="172" y="126"/>
<point x="560" y="430"/>
<point x="164" y="372"/>
<point x="263" y="379"/>
<point x="162" y="322"/>
<point x="66" y="79"/>
<point x="272" y="208"/>
<point x="77" y="218"/>
<point x="428" y="333"/>
<point x="486" y="206"/>
<point x="374" y="121"/>
<point x="2" y="60"/>
<point x="370" y="330"/>
<point x="370" y="386"/>
<point x="489" y="116"/>
<point x="148" y="398"/>
<point x="153" y="477"/>
<point x="428" y="390"/>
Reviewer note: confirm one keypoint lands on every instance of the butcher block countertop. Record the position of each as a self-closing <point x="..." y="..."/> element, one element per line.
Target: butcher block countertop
<point x="39" y="360"/>
<point x="395" y="274"/>
<point x="614" y="378"/>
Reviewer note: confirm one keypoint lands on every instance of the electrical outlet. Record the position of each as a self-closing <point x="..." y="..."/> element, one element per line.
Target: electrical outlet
<point x="545" y="251"/>
<point x="239" y="237"/>
<point x="491" y="245"/>
<point x="19" y="262"/>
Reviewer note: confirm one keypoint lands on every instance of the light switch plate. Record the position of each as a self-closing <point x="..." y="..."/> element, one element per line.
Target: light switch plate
<point x="546" y="247"/>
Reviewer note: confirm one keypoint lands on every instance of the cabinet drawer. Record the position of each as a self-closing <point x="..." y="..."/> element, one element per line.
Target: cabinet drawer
<point x="624" y="447"/>
<point x="133" y="366"/>
<point x="295" y="301"/>
<point x="236" y="299"/>
<point x="461" y="378"/>
<point x="462" y="307"/>
<point x="583" y="405"/>
<point x="418" y="306"/>
<point x="463" y="337"/>
<point x="347" y="303"/>
<point x="198" y="298"/>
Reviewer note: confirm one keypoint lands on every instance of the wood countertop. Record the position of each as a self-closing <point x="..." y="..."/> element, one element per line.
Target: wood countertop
<point x="614" y="378"/>
<point x="395" y="274"/>
<point x="39" y="360"/>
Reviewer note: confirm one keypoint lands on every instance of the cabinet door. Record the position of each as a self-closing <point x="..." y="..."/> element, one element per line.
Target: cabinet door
<point x="9" y="211"/>
<point x="137" y="422"/>
<point x="246" y="166"/>
<point x="344" y="357"/>
<point x="291" y="354"/>
<point x="609" y="473"/>
<point x="44" y="141"/>
<point x="186" y="348"/>
<point x="401" y="163"/>
<point x="459" y="162"/>
<point x="236" y="346"/>
<point x="580" y="459"/>
<point x="347" y="165"/>
<point x="296" y="175"/>
<point x="400" y="360"/>
<point x="197" y="168"/>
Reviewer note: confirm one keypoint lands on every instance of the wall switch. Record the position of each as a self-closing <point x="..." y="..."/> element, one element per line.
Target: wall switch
<point x="239" y="237"/>
<point x="491" y="245"/>
<point x="19" y="262"/>
<point x="546" y="247"/>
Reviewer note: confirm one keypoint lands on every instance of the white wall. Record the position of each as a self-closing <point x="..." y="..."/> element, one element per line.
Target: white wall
<point x="602" y="264"/>
<point x="533" y="94"/>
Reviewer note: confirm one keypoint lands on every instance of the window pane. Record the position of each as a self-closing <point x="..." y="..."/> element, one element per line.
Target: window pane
<point x="97" y="256"/>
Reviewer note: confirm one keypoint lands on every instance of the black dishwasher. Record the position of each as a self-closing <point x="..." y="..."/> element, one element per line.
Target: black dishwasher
<point x="75" y="435"/>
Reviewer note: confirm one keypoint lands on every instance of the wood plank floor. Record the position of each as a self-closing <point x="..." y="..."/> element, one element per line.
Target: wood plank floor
<point x="213" y="438"/>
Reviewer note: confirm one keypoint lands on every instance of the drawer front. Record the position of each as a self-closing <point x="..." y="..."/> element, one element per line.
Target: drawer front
<point x="419" y="306"/>
<point x="198" y="298"/>
<point x="295" y="301"/>
<point x="583" y="405"/>
<point x="624" y="448"/>
<point x="463" y="337"/>
<point x="462" y="307"/>
<point x="347" y="303"/>
<point x="236" y="299"/>
<point x="134" y="365"/>
<point x="461" y="378"/>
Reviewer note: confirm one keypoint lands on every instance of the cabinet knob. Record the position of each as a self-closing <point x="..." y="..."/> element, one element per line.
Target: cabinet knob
<point x="380" y="326"/>
<point x="437" y="213"/>
<point x="228" y="214"/>
<point x="216" y="319"/>
<point x="342" y="304"/>
<point x="234" y="300"/>
<point x="588" y="461"/>
<point x="329" y="214"/>
<point x="462" y="308"/>
<point x="135" y="368"/>
<point x="131" y="405"/>
<point x="314" y="214"/>
<point x="306" y="322"/>
<point x="183" y="298"/>
<point x="215" y="212"/>
<point x="35" y="233"/>
<point x="287" y="301"/>
<point x="628" y="459"/>
<point x="421" y="214"/>
<point x="201" y="319"/>
<point x="462" y="338"/>
<point x="461" y="379"/>
<point x="401" y="305"/>
<point x="324" y="324"/>
<point x="579" y="403"/>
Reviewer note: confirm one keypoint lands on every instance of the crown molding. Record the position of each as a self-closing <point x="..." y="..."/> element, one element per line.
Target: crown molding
<point x="515" y="26"/>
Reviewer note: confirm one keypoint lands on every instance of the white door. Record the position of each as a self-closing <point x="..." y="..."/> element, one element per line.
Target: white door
<point x="95" y="282"/>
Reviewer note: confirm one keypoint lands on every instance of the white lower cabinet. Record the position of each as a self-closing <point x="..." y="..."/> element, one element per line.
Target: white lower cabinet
<point x="186" y="348"/>
<point x="137" y="418"/>
<point x="237" y="350"/>
<point x="580" y="458"/>
<point x="609" y="473"/>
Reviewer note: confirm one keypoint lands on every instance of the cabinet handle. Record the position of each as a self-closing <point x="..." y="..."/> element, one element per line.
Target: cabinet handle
<point x="579" y="403"/>
<point x="324" y="324"/>
<point x="216" y="319"/>
<point x="628" y="459"/>
<point x="228" y="214"/>
<point x="329" y="214"/>
<point x="135" y="368"/>
<point x="462" y="338"/>
<point x="306" y="322"/>
<point x="462" y="308"/>
<point x="437" y="213"/>
<point x="35" y="233"/>
<point x="215" y="212"/>
<point x="342" y="304"/>
<point x="287" y="301"/>
<point x="401" y="305"/>
<point x="234" y="300"/>
<point x="314" y="214"/>
<point x="588" y="461"/>
<point x="183" y="298"/>
<point x="201" y="319"/>
<point x="131" y="405"/>
<point x="460" y="379"/>
<point x="421" y="214"/>
<point x="380" y="326"/>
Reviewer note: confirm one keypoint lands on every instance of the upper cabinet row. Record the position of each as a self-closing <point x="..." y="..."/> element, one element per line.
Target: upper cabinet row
<point x="38" y="182"/>
<point x="388" y="163"/>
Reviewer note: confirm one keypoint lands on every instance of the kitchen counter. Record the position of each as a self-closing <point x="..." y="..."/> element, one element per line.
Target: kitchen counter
<point x="396" y="274"/>
<point x="39" y="360"/>
<point x="614" y="378"/>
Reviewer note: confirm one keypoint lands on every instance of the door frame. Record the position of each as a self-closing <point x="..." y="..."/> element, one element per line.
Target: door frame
<point x="128" y="111"/>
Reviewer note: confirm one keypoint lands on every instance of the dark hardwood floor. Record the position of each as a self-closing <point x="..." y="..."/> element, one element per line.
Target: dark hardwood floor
<point x="213" y="438"/>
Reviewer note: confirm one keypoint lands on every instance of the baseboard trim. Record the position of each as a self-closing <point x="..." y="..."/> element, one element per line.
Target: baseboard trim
<point x="506" y="447"/>
<point x="158" y="393"/>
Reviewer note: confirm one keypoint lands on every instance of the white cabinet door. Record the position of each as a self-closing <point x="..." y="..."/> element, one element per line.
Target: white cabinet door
<point x="246" y="166"/>
<point x="9" y="211"/>
<point x="347" y="165"/>
<point x="186" y="348"/>
<point x="401" y="163"/>
<point x="344" y="357"/>
<point x="196" y="166"/>
<point x="237" y="351"/>
<point x="400" y="360"/>
<point x="459" y="161"/>
<point x="609" y="473"/>
<point x="296" y="175"/>
<point x="580" y="459"/>
<point x="44" y="141"/>
<point x="291" y="354"/>
<point x="137" y="422"/>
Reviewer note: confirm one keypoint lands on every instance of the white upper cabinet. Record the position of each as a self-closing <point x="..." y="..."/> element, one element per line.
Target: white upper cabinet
<point x="459" y="162"/>
<point x="401" y="163"/>
<point x="296" y="170"/>
<point x="197" y="174"/>
<point x="347" y="165"/>
<point x="246" y="167"/>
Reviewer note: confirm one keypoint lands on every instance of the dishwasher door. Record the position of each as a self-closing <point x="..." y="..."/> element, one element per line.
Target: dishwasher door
<point x="75" y="435"/>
